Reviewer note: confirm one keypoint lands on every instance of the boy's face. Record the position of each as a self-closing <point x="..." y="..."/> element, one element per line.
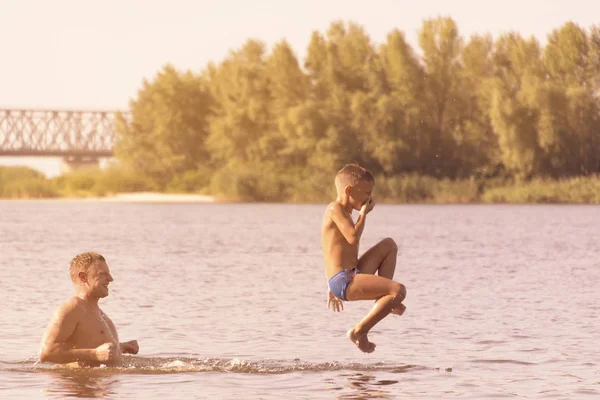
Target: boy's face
<point x="360" y="193"/>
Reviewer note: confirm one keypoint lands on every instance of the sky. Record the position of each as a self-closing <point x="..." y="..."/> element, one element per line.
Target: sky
<point x="95" y="54"/>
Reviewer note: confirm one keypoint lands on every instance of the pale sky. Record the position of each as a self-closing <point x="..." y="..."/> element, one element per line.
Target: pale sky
<point x="81" y="54"/>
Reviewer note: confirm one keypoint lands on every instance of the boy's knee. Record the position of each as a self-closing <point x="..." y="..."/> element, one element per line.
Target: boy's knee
<point x="399" y="292"/>
<point x="390" y="244"/>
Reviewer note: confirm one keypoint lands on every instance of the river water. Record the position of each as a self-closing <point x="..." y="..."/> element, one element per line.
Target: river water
<point x="228" y="301"/>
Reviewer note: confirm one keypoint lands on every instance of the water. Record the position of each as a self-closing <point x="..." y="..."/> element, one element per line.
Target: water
<point x="229" y="302"/>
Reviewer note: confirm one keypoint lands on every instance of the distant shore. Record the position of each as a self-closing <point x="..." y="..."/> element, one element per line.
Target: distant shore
<point x="134" y="197"/>
<point x="116" y="186"/>
<point x="155" y="197"/>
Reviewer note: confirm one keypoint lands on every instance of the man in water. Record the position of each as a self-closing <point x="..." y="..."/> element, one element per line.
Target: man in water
<point x="80" y="333"/>
<point x="352" y="278"/>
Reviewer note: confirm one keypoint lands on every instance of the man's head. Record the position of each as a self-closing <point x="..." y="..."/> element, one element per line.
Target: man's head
<point x="89" y="272"/>
<point x="354" y="184"/>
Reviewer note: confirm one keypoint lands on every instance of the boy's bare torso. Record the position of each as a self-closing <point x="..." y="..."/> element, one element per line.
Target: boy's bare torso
<point x="337" y="252"/>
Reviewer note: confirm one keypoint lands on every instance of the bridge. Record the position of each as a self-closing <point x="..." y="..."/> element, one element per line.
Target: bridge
<point x="79" y="137"/>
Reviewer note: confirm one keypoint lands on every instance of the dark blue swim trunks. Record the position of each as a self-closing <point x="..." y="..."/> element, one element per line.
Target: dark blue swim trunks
<point x="340" y="281"/>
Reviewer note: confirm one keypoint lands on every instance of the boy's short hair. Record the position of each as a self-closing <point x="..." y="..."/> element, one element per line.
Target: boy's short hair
<point x="352" y="174"/>
<point x="82" y="263"/>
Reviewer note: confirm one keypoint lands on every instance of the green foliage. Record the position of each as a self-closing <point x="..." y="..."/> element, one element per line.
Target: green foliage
<point x="574" y="190"/>
<point x="249" y="184"/>
<point x="165" y="133"/>
<point x="426" y="189"/>
<point x="94" y="182"/>
<point x="192" y="181"/>
<point x="451" y="121"/>
<point x="24" y="182"/>
<point x="457" y="107"/>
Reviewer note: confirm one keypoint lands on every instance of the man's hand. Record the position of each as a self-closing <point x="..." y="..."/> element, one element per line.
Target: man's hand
<point x="334" y="303"/>
<point x="106" y="352"/>
<point x="130" y="347"/>
<point x="368" y="206"/>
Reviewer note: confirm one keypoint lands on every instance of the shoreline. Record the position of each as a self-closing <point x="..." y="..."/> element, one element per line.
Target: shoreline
<point x="133" y="197"/>
<point x="182" y="198"/>
<point x="157" y="197"/>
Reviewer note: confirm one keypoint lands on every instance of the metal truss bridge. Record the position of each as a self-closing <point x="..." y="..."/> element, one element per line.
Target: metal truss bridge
<point x="59" y="133"/>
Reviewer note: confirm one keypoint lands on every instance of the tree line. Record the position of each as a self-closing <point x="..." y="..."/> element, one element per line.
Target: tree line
<point x="263" y="124"/>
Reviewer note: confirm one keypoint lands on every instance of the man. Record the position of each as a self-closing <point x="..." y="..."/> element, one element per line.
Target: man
<point x="80" y="333"/>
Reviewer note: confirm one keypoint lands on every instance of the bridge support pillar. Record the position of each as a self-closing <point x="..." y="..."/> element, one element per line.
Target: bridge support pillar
<point x="72" y="163"/>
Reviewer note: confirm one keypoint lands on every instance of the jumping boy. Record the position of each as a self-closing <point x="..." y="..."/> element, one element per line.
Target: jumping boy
<point x="349" y="277"/>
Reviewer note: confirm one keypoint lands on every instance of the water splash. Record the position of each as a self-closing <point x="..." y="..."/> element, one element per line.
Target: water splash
<point x="168" y="365"/>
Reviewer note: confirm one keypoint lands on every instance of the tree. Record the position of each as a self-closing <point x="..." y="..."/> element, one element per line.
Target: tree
<point x="240" y="89"/>
<point x="166" y="132"/>
<point x="442" y="46"/>
<point x="515" y="99"/>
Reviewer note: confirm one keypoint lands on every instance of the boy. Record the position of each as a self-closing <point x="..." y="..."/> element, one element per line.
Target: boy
<point x="349" y="277"/>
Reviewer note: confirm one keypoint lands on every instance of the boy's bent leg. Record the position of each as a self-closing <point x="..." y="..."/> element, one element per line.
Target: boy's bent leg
<point x="372" y="287"/>
<point x="381" y="257"/>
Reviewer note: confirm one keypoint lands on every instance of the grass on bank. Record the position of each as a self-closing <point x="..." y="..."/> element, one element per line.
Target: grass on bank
<point x="295" y="186"/>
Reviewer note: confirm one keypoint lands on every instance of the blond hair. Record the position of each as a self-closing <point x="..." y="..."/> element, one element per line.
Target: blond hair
<point x="82" y="263"/>
<point x="352" y="174"/>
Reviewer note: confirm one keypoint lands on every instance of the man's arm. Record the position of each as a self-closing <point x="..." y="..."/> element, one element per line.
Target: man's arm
<point x="54" y="345"/>
<point x="351" y="231"/>
<point x="130" y="347"/>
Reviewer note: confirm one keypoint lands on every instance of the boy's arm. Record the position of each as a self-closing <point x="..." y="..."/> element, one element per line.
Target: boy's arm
<point x="54" y="345"/>
<point x="333" y="302"/>
<point x="351" y="231"/>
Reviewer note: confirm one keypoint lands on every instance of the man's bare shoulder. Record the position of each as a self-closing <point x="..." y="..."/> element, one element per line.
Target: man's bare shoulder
<point x="72" y="306"/>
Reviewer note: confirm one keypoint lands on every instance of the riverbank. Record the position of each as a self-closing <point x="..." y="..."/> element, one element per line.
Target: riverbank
<point x="141" y="197"/>
<point x="155" y="197"/>
<point x="24" y="183"/>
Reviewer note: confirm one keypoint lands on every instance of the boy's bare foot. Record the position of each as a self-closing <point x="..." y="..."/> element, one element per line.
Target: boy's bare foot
<point x="399" y="310"/>
<point x="361" y="341"/>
